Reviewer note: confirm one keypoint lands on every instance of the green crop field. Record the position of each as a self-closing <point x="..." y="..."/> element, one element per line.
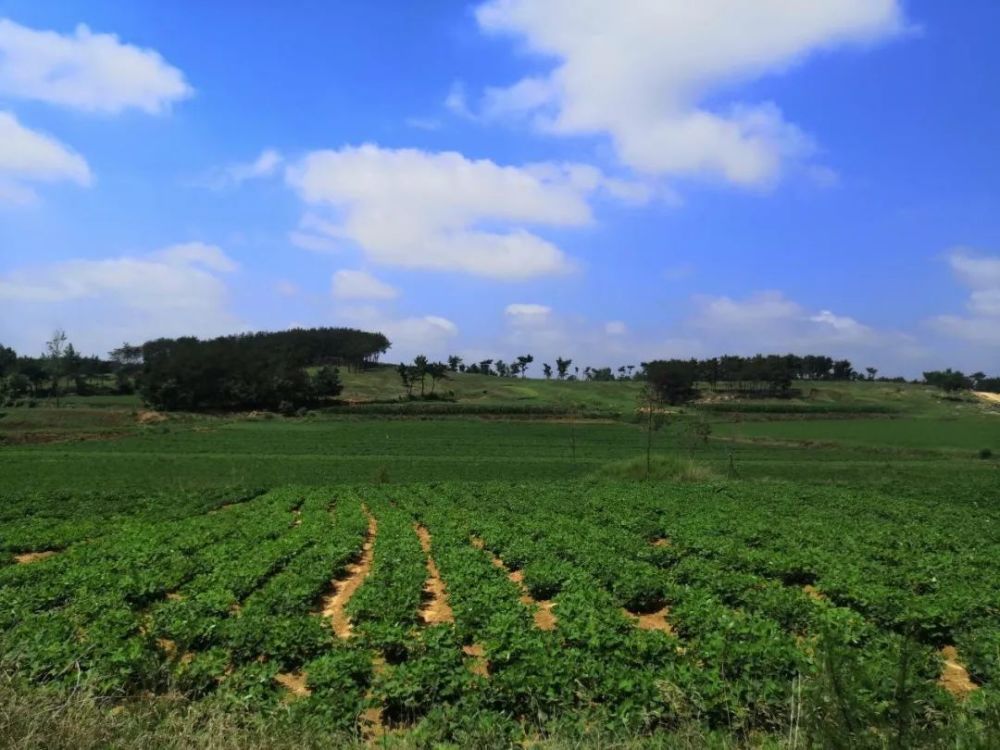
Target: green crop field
<point x="822" y="571"/>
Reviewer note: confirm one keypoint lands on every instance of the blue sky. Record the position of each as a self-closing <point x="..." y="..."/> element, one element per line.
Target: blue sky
<point x="607" y="181"/>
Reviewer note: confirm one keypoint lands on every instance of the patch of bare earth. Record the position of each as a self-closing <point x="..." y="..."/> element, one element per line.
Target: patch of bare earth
<point x="954" y="676"/>
<point x="479" y="665"/>
<point x="294" y="683"/>
<point x="813" y="593"/>
<point x="990" y="398"/>
<point x="150" y="417"/>
<point x="652" y="620"/>
<point x="372" y="726"/>
<point x="661" y="542"/>
<point x="169" y="649"/>
<point x="26" y="558"/>
<point x="544" y="618"/>
<point x="436" y="608"/>
<point x="334" y="604"/>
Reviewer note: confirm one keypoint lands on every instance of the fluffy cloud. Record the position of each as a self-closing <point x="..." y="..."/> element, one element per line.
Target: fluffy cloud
<point x="769" y="323"/>
<point x="431" y="335"/>
<point x="360" y="285"/>
<point x="981" y="274"/>
<point x="27" y="156"/>
<point x="176" y="291"/>
<point x="442" y="211"/>
<point x="86" y="71"/>
<point x="642" y="71"/>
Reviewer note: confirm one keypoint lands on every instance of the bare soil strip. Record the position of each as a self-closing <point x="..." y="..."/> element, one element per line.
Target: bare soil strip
<point x="544" y="619"/>
<point x="26" y="558"/>
<point x="661" y="542"/>
<point x="372" y="727"/>
<point x="343" y="590"/>
<point x="991" y="398"/>
<point x="436" y="610"/>
<point x="814" y="593"/>
<point x="652" y="621"/>
<point x="169" y="649"/>
<point x="294" y="683"/>
<point x="480" y="665"/>
<point x="954" y="676"/>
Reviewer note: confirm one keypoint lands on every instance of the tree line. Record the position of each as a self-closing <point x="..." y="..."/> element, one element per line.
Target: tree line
<point x="246" y="371"/>
<point x="254" y="370"/>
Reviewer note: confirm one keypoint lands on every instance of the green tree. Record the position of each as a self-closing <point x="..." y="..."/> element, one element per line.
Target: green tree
<point x="562" y="367"/>
<point x="547" y="371"/>
<point x="55" y="358"/>
<point x="326" y="382"/>
<point x="420" y="370"/>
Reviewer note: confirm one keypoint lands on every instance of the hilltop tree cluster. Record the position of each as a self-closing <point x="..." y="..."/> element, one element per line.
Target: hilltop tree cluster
<point x="254" y="371"/>
<point x="955" y="380"/>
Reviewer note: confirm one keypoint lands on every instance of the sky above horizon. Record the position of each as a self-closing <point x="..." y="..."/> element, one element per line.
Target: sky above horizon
<point x="607" y="181"/>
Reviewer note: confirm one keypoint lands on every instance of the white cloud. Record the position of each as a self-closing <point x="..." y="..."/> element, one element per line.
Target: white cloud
<point x="176" y="291"/>
<point x="769" y="321"/>
<point x="349" y="284"/>
<point x="267" y="164"/>
<point x="442" y="211"/>
<point x="456" y="102"/>
<point x="197" y="253"/>
<point x="615" y="328"/>
<point x="981" y="274"/>
<point x="431" y="335"/>
<point x="86" y="71"/>
<point x="521" y="311"/>
<point x="642" y="71"/>
<point x="974" y="269"/>
<point x="27" y="156"/>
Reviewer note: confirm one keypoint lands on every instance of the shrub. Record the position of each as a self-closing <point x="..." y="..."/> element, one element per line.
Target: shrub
<point x="985" y="453"/>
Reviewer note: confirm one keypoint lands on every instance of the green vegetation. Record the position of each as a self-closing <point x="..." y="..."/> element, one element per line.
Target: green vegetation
<point x="801" y="567"/>
<point x="752" y="598"/>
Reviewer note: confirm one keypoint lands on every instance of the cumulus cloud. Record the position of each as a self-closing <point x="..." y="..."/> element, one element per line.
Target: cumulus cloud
<point x="410" y="335"/>
<point x="179" y="290"/>
<point x="642" y="72"/>
<point x="27" y="156"/>
<point x="981" y="275"/>
<point x="85" y="70"/>
<point x="769" y="321"/>
<point x="349" y="284"/>
<point x="615" y="328"/>
<point x="442" y="211"/>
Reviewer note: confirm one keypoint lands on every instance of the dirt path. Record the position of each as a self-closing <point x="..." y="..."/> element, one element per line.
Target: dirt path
<point x="436" y="610"/>
<point x="294" y="683"/>
<point x="26" y="558"/>
<point x="343" y="590"/>
<point x="544" y="618"/>
<point x="990" y="398"/>
<point x="372" y="726"/>
<point x="954" y="676"/>
<point x="480" y="665"/>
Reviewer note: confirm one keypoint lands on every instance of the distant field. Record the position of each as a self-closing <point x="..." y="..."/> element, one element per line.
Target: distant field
<point x="968" y="434"/>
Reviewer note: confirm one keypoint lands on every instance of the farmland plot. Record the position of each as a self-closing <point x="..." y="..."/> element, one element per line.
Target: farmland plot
<point x="381" y="609"/>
